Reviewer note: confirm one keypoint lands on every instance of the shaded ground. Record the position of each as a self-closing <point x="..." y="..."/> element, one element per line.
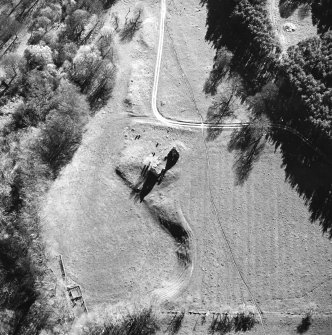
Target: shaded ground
<point x="299" y="17"/>
<point x="281" y="325"/>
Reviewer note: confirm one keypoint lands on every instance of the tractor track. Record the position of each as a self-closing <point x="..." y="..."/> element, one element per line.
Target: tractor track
<point x="170" y="122"/>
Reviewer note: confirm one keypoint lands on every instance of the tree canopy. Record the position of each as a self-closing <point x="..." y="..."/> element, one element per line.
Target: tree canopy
<point x="307" y="71"/>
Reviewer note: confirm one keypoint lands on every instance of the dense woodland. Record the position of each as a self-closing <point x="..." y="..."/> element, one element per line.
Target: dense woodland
<point x="292" y="90"/>
<point x="48" y="92"/>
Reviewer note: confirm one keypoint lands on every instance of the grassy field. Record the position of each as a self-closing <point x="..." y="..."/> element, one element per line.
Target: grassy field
<point x="185" y="56"/>
<point x="284" y="258"/>
<point x="117" y="250"/>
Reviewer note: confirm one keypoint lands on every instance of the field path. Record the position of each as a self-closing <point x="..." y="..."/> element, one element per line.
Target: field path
<point x="113" y="247"/>
<point x="159" y="117"/>
<point x="177" y="285"/>
<point x="273" y="12"/>
<point x="170" y="122"/>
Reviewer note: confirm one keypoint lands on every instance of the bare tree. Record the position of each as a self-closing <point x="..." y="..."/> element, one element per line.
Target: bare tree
<point x="116" y="21"/>
<point x="131" y="26"/>
<point x="248" y="144"/>
<point x="224" y="106"/>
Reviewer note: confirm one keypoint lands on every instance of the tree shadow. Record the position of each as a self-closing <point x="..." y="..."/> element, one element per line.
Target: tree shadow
<point x="287" y="8"/>
<point x="176" y="323"/>
<point x="304" y="11"/>
<point x="221" y="324"/>
<point x="248" y="144"/>
<point x="306" y="170"/>
<point x="222" y="107"/>
<point x="304" y="325"/>
<point x="181" y="237"/>
<point x="171" y="159"/>
<point x="131" y="26"/>
<point x="220" y="69"/>
<point x="145" y="184"/>
<point x="225" y="323"/>
<point x="213" y="119"/>
<point x="309" y="173"/>
<point x="244" y="322"/>
<point x="149" y="177"/>
<point x="252" y="58"/>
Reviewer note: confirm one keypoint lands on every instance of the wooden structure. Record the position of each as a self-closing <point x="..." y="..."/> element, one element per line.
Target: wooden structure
<point x="74" y="291"/>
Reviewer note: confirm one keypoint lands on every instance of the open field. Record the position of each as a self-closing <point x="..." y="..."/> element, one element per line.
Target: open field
<point x="184" y="56"/>
<point x="278" y="250"/>
<point x="257" y="238"/>
<point x="186" y="64"/>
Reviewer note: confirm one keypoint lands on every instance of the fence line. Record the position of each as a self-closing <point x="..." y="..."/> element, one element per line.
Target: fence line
<point x="72" y="289"/>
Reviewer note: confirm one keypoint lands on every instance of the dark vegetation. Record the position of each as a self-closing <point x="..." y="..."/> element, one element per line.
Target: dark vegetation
<point x="287" y="7"/>
<point x="143" y="322"/>
<point x="221" y="323"/>
<point x="149" y="181"/>
<point x="223" y="106"/>
<point x="171" y="159"/>
<point x="173" y="226"/>
<point x="305" y="324"/>
<point x="176" y="323"/>
<point x="146" y="182"/>
<point x="242" y="28"/>
<point x="248" y="144"/>
<point x="225" y="323"/>
<point x="293" y="91"/>
<point x="149" y="177"/>
<point x="46" y="98"/>
<point x="244" y="322"/>
<point x="181" y="237"/>
<point x="321" y="11"/>
<point x="131" y="26"/>
<point x="221" y="67"/>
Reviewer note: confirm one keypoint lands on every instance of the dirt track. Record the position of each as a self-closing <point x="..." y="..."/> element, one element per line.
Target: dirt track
<point x="116" y="250"/>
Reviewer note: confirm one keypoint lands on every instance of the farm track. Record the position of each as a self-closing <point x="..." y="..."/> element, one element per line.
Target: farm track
<point x="207" y="161"/>
<point x="177" y="285"/>
<point x="218" y="228"/>
<point x="272" y="7"/>
<point x="90" y="176"/>
<point x="170" y="122"/>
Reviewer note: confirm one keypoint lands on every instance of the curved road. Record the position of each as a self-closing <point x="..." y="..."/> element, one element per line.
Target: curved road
<point x="202" y="125"/>
<point x="190" y="124"/>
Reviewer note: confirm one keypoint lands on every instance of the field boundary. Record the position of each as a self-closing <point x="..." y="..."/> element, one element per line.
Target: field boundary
<point x="207" y="313"/>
